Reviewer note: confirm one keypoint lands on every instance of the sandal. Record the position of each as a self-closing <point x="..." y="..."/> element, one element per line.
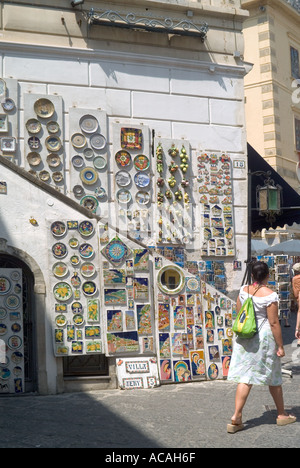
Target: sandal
<point x="284" y="421"/>
<point x="234" y="427"/>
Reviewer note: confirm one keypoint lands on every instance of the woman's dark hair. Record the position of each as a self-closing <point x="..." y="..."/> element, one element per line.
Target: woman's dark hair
<point x="260" y="271"/>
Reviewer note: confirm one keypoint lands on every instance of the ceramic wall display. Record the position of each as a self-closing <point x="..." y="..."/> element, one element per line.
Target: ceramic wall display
<point x="90" y="203"/>
<point x="59" y="250"/>
<point x="141" y="179"/>
<point x="141" y="162"/>
<point x="99" y="163"/>
<point x="123" y="196"/>
<point x="60" y="269"/>
<point x="98" y="141"/>
<point x="11" y="332"/>
<point x="43" y="118"/>
<point x="2" y="88"/>
<point x="123" y="178"/>
<point x="89" y="175"/>
<point x="123" y="158"/>
<point x="77" y="161"/>
<point x="86" y="250"/>
<point x="8" y="105"/>
<point x="131" y="138"/>
<point x="34" y="158"/>
<point x="78" y="191"/>
<point x="78" y="140"/>
<point x="88" y="123"/>
<point x="87" y="269"/>
<point x="88" y="153"/>
<point x="62" y="291"/>
<point x="142" y="198"/>
<point x="86" y="228"/>
<point x="8" y="144"/>
<point x="116" y="251"/>
<point x="58" y="228"/>
<point x="89" y="288"/>
<point x="3" y="123"/>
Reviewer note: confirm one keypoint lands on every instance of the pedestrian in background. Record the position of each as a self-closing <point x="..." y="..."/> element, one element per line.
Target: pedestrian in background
<point x="256" y="360"/>
<point x="296" y="292"/>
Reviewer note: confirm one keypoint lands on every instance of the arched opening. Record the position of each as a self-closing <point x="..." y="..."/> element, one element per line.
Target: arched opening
<point x="30" y="364"/>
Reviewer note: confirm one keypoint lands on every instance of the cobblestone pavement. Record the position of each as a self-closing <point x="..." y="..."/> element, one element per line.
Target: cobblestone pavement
<point x="182" y="416"/>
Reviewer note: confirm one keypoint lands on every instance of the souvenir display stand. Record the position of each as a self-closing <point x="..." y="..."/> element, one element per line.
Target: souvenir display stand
<point x="11" y="332"/>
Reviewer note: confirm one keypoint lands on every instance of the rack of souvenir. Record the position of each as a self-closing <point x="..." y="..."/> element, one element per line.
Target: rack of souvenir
<point x="9" y="119"/>
<point x="280" y="281"/>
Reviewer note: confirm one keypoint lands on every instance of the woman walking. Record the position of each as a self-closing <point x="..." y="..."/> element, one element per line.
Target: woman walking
<point x="256" y="361"/>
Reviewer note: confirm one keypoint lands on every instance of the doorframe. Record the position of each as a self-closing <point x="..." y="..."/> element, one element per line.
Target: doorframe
<point x="38" y="312"/>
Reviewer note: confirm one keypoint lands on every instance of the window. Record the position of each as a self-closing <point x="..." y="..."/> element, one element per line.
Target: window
<point x="295" y="63"/>
<point x="297" y="134"/>
<point x="171" y="279"/>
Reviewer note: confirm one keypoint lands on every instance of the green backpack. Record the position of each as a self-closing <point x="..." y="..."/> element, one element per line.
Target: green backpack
<point x="245" y="324"/>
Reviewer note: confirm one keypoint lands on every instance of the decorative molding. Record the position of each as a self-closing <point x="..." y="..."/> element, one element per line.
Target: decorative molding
<point x="182" y="27"/>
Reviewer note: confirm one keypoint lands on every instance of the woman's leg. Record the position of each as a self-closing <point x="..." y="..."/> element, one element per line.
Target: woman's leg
<point x="277" y="395"/>
<point x="242" y="393"/>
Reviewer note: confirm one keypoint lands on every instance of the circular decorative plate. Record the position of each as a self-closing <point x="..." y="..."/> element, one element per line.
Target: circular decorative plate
<point x="60" y="320"/>
<point x="78" y="319"/>
<point x="89" y="288"/>
<point x="123" y="178"/>
<point x="3" y="313"/>
<point x="53" y="143"/>
<point x="14" y="342"/>
<point x="142" y="198"/>
<point x="53" y="127"/>
<point x="53" y="160"/>
<point x="141" y="180"/>
<point x="3" y="329"/>
<point x="75" y="260"/>
<point x="77" y="161"/>
<point x="100" y="192"/>
<point x="90" y="203"/>
<point x="34" y="142"/>
<point x="5" y="285"/>
<point x="98" y="141"/>
<point x="77" y="308"/>
<point x="78" y="191"/>
<point x="123" y="196"/>
<point x="86" y="228"/>
<point x="16" y="357"/>
<point x="86" y="250"/>
<point x="8" y="104"/>
<point x="15" y="275"/>
<point x="57" y="176"/>
<point x="88" y="153"/>
<point x="12" y="302"/>
<point x="73" y="243"/>
<point x="141" y="162"/>
<point x="59" y="250"/>
<point x="123" y="158"/>
<point x="58" y="228"/>
<point x="99" y="162"/>
<point x="60" y="269"/>
<point x="44" y="108"/>
<point x="5" y="373"/>
<point x="87" y="269"/>
<point x="34" y="158"/>
<point x="44" y="176"/>
<point x="16" y="328"/>
<point x="33" y="126"/>
<point x="88" y="123"/>
<point x="89" y="175"/>
<point x="78" y="140"/>
<point x="62" y="291"/>
<point x="192" y="284"/>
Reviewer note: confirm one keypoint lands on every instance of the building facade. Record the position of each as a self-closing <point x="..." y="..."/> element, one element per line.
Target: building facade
<point x="123" y="205"/>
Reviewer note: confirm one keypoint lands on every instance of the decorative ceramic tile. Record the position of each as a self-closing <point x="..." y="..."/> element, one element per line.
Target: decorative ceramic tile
<point x="116" y="251"/>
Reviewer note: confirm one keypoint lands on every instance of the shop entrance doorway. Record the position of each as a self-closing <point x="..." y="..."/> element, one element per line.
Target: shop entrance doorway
<point x="29" y="332"/>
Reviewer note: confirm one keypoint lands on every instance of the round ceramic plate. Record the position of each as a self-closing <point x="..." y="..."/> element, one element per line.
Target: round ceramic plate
<point x="73" y="243"/>
<point x="16" y="328"/>
<point x="78" y="140"/>
<point x="100" y="192"/>
<point x="53" y="160"/>
<point x="53" y="127"/>
<point x="78" y="191"/>
<point x="14" y="342"/>
<point x="59" y="250"/>
<point x="88" y="123"/>
<point x="60" y="320"/>
<point x="33" y="126"/>
<point x="75" y="260"/>
<point x="12" y="302"/>
<point x="141" y="162"/>
<point x="123" y="196"/>
<point x="77" y="308"/>
<point x="34" y="142"/>
<point x="141" y="179"/>
<point x="57" y="176"/>
<point x="62" y="291"/>
<point x="86" y="228"/>
<point x="88" y="153"/>
<point x="87" y="269"/>
<point x="86" y="250"/>
<point x="142" y="198"/>
<point x="53" y="143"/>
<point x="3" y="313"/>
<point x="16" y="357"/>
<point x="34" y="158"/>
<point x="44" y="176"/>
<point x="98" y="141"/>
<point x="58" y="228"/>
<point x="77" y="161"/>
<point x="123" y="178"/>
<point x="44" y="108"/>
<point x="89" y="288"/>
<point x="3" y="329"/>
<point x="8" y="104"/>
<point x="78" y="319"/>
<point x="123" y="158"/>
<point x="90" y="203"/>
<point x="60" y="269"/>
<point x="89" y="175"/>
<point x="99" y="163"/>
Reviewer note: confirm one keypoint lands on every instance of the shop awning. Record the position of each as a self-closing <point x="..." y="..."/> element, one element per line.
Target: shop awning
<point x="290" y="198"/>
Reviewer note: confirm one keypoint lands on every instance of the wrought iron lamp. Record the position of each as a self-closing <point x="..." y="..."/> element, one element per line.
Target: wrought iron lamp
<point x="268" y="198"/>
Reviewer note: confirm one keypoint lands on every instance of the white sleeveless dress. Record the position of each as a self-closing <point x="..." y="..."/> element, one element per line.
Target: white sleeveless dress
<point x="254" y="361"/>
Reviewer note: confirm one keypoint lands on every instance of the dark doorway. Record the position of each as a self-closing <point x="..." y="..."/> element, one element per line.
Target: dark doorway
<point x="8" y="261"/>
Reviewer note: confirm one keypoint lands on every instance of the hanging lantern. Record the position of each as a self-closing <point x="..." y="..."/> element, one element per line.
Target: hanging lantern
<point x="269" y="200"/>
